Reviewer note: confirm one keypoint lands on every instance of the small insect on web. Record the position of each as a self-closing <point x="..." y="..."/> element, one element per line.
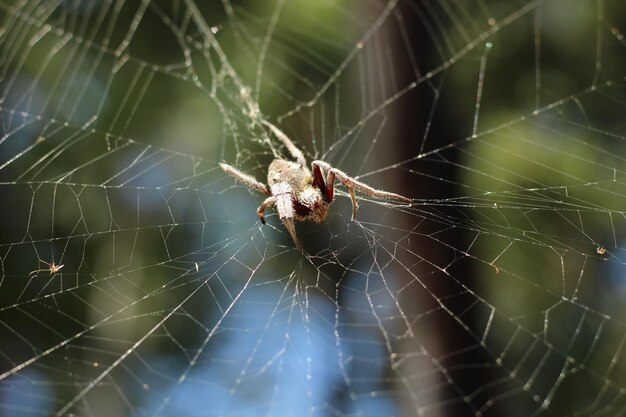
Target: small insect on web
<point x="298" y="195"/>
<point x="53" y="268"/>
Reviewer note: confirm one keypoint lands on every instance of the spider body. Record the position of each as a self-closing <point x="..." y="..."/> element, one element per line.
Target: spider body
<point x="299" y="195"/>
<point x="292" y="186"/>
<point x="52" y="268"/>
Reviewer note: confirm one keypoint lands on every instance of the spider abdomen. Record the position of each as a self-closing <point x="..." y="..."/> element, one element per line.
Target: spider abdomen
<point x="290" y="172"/>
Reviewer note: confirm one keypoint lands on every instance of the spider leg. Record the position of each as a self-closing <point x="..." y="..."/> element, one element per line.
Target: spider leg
<point x="318" y="181"/>
<point x="293" y="150"/>
<point x="269" y="201"/>
<point x="248" y="180"/>
<point x="291" y="228"/>
<point x="353" y="184"/>
<point x="287" y="221"/>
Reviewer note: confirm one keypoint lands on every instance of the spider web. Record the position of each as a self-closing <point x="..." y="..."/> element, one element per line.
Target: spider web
<point x="136" y="280"/>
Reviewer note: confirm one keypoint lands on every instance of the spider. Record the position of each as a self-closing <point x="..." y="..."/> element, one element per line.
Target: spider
<point x="52" y="268"/>
<point x="298" y="195"/>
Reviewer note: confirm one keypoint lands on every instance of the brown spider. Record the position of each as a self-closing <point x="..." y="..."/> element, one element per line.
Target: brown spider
<point x="298" y="195"/>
